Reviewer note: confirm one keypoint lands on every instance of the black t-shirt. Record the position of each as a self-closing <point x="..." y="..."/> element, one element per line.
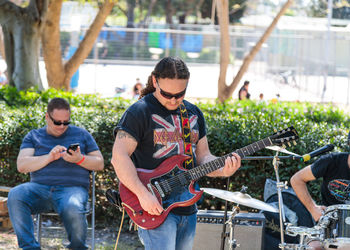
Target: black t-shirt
<point x="158" y="133"/>
<point x="330" y="167"/>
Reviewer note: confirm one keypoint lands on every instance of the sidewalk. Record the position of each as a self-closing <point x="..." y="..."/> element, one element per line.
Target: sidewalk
<point x="104" y="78"/>
<point x="53" y="239"/>
<point x="204" y="83"/>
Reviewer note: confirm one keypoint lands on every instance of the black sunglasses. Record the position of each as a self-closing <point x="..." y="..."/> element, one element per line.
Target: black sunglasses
<point x="169" y="96"/>
<point x="58" y="123"/>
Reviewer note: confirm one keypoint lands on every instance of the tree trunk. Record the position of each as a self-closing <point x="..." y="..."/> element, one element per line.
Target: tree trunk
<point x="149" y="11"/>
<point x="198" y="12"/>
<point x="54" y="63"/>
<point x="222" y="9"/>
<point x="130" y="14"/>
<point x="22" y="29"/>
<point x="52" y="46"/>
<point x="225" y="91"/>
<point x="2" y="48"/>
<point x="169" y="11"/>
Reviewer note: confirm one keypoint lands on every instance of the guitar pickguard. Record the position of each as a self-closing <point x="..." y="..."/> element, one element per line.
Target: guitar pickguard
<point x="179" y="191"/>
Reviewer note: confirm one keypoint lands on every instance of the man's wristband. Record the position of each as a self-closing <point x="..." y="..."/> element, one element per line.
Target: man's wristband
<point x="81" y="161"/>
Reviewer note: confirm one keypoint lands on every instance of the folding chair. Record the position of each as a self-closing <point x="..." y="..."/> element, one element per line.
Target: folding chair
<point x="91" y="211"/>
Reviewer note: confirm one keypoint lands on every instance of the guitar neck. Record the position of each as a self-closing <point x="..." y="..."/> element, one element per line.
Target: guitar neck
<point x="211" y="166"/>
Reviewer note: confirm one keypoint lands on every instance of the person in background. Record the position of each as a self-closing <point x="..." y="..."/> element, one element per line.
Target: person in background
<point x="137" y="89"/>
<point x="59" y="178"/>
<point x="3" y="78"/>
<point x="261" y="97"/>
<point x="149" y="132"/>
<point x="243" y="93"/>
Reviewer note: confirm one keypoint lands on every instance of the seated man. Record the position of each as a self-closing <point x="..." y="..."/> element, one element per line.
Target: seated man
<point x="329" y="167"/>
<point x="59" y="178"/>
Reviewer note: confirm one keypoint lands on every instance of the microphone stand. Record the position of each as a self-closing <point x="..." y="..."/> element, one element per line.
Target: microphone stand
<point x="223" y="234"/>
<point x="279" y="186"/>
<point x="279" y="193"/>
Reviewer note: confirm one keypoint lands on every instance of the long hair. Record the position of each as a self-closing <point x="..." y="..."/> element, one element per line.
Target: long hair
<point x="168" y="67"/>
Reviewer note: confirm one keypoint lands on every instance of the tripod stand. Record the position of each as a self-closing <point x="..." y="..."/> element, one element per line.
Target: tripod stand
<point x="279" y="185"/>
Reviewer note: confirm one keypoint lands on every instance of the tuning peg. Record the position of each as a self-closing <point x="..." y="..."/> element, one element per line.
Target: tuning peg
<point x="289" y="144"/>
<point x="283" y="145"/>
<point x="275" y="130"/>
<point x="295" y="143"/>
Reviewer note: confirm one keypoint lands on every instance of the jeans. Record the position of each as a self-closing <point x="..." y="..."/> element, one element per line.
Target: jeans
<point x="176" y="232"/>
<point x="32" y="198"/>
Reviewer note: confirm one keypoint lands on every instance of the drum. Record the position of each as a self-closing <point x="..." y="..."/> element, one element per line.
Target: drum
<point x="311" y="233"/>
<point x="336" y="226"/>
<point x="289" y="246"/>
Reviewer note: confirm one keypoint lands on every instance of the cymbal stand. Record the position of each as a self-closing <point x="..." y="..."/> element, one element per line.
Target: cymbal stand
<point x="232" y="242"/>
<point x="280" y="186"/>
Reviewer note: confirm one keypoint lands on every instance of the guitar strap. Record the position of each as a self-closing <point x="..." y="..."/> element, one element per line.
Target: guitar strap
<point x="186" y="136"/>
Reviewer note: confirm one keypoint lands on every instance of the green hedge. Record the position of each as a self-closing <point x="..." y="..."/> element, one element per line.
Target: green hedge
<point x="229" y="126"/>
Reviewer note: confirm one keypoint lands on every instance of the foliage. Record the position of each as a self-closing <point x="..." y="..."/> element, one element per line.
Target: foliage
<point x="317" y="8"/>
<point x="230" y="126"/>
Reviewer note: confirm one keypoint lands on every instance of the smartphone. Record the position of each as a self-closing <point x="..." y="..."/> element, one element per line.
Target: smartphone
<point x="72" y="147"/>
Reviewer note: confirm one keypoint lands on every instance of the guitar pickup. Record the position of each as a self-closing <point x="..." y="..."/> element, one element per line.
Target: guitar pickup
<point x="149" y="186"/>
<point x="159" y="189"/>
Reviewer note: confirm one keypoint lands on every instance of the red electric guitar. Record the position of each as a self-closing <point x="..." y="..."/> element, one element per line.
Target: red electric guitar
<point x="173" y="185"/>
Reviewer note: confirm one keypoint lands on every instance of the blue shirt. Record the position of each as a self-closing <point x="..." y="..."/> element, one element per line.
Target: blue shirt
<point x="60" y="172"/>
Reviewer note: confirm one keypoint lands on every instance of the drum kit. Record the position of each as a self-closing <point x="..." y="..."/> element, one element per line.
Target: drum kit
<point x="332" y="230"/>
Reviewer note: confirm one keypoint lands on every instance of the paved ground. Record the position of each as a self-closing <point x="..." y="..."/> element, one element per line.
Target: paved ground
<point x="105" y="238"/>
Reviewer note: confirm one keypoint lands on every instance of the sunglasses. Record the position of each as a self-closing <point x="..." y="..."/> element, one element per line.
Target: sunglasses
<point x="58" y="123"/>
<point x="169" y="96"/>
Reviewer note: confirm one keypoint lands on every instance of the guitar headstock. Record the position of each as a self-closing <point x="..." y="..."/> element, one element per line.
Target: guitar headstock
<point x="285" y="136"/>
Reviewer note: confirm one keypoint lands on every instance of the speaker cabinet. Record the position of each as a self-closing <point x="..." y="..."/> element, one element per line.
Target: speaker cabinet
<point x="209" y="229"/>
<point x="248" y="230"/>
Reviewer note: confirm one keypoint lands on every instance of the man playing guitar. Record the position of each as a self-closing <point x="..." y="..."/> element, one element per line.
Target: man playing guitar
<point x="152" y="131"/>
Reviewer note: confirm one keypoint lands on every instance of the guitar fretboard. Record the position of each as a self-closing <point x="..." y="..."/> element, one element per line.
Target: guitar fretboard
<point x="211" y="166"/>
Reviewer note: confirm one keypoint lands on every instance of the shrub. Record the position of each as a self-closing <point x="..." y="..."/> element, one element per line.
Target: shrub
<point x="230" y="126"/>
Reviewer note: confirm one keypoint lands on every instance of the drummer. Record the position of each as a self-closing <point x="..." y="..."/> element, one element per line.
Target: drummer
<point x="329" y="167"/>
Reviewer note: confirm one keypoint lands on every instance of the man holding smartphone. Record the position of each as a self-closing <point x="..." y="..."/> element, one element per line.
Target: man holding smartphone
<point x="59" y="176"/>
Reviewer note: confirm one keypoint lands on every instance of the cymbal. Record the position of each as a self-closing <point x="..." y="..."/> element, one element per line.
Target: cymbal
<point x="282" y="150"/>
<point x="240" y="198"/>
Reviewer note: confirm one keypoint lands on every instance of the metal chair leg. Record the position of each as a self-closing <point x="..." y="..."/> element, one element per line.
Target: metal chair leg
<point x="38" y="227"/>
<point x="38" y="217"/>
<point x="93" y="213"/>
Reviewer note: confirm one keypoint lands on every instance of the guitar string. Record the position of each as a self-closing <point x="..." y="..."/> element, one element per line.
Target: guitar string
<point x="175" y="181"/>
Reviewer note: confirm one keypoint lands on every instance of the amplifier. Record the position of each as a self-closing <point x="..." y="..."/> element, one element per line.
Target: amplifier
<point x="209" y="229"/>
<point x="248" y="230"/>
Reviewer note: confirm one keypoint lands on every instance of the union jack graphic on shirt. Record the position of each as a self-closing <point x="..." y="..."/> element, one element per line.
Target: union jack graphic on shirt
<point x="168" y="137"/>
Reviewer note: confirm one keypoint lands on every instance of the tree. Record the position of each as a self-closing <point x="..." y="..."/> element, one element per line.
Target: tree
<point x="224" y="91"/>
<point x="58" y="73"/>
<point x="22" y="29"/>
<point x="2" y="48"/>
<point x="317" y="8"/>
